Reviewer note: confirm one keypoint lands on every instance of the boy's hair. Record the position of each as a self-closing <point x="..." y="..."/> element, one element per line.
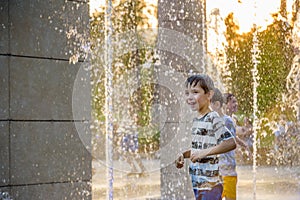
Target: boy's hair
<point x="203" y="80"/>
<point x="228" y="97"/>
<point x="218" y="96"/>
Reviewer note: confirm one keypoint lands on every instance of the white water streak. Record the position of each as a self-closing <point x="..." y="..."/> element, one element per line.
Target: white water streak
<point x="108" y="99"/>
<point x="255" y="60"/>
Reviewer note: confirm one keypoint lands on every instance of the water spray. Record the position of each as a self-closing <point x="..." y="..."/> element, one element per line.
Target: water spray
<point x="108" y="99"/>
<point x="255" y="60"/>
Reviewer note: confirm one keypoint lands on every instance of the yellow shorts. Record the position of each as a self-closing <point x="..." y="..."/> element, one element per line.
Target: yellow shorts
<point x="229" y="186"/>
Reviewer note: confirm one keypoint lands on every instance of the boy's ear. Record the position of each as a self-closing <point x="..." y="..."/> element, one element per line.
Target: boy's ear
<point x="218" y="104"/>
<point x="211" y="94"/>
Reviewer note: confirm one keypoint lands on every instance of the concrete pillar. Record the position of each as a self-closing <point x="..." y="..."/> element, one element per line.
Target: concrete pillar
<point x="182" y="46"/>
<point x="41" y="153"/>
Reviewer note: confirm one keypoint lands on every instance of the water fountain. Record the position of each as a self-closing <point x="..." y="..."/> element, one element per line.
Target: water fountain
<point x="62" y="164"/>
<point x="255" y="60"/>
<point x="179" y="44"/>
<point x="108" y="99"/>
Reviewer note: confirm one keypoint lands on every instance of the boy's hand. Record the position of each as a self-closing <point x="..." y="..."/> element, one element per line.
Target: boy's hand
<point x="179" y="162"/>
<point x="198" y="154"/>
<point x="248" y="152"/>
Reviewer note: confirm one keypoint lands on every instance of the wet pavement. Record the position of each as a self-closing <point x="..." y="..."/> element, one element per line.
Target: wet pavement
<point x="126" y="185"/>
<point x="272" y="183"/>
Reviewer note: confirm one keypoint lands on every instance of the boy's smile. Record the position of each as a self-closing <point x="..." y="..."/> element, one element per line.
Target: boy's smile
<point x="197" y="99"/>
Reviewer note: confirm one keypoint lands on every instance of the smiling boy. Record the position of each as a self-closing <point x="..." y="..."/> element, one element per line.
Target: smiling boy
<point x="210" y="137"/>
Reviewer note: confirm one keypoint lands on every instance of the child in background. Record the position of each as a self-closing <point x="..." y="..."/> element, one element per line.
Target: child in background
<point x="127" y="134"/>
<point x="227" y="162"/>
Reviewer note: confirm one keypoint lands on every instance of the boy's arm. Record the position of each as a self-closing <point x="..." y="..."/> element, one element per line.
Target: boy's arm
<point x="243" y="144"/>
<point x="179" y="162"/>
<point x="223" y="147"/>
<point x="243" y="131"/>
<point x="240" y="142"/>
<point x="187" y="154"/>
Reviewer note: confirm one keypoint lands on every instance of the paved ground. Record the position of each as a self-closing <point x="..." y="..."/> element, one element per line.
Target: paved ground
<point x="127" y="186"/>
<point x="271" y="183"/>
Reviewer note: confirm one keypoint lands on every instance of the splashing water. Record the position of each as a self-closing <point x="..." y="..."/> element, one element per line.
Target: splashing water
<point x="255" y="60"/>
<point x="204" y="39"/>
<point x="108" y="99"/>
<point x="4" y="196"/>
<point x="111" y="170"/>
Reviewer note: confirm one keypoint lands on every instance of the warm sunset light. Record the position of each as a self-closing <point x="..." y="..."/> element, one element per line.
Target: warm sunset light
<point x="95" y="5"/>
<point x="244" y="10"/>
<point x="142" y="128"/>
<point x="247" y="12"/>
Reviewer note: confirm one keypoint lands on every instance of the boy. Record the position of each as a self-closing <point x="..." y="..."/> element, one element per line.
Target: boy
<point x="209" y="138"/>
<point x="227" y="162"/>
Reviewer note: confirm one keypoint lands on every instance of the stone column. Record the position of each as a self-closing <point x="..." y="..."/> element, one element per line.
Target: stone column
<point x="42" y="155"/>
<point x="182" y="47"/>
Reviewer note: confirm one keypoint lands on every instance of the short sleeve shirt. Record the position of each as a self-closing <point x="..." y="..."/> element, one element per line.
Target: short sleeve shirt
<point x="207" y="131"/>
<point x="227" y="162"/>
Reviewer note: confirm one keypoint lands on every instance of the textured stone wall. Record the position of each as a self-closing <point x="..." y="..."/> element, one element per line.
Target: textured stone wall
<point x="41" y="153"/>
<point x="181" y="44"/>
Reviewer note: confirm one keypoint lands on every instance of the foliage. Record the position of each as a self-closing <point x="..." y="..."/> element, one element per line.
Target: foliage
<point x="239" y="64"/>
<point x="149" y="137"/>
<point x="127" y="16"/>
<point x="275" y="62"/>
<point x="276" y="59"/>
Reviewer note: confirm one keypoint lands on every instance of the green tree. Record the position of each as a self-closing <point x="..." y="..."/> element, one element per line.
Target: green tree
<point x="239" y="64"/>
<point x="127" y="16"/>
<point x="275" y="62"/>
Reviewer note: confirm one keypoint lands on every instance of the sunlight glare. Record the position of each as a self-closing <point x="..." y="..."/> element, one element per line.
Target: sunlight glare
<point x="95" y="5"/>
<point x="245" y="11"/>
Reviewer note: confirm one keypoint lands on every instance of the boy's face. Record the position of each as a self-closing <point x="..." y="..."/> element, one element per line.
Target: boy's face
<point x="232" y="105"/>
<point x="216" y="106"/>
<point x="197" y="99"/>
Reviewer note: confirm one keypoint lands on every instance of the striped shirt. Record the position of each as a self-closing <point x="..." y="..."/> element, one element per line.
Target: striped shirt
<point x="207" y="131"/>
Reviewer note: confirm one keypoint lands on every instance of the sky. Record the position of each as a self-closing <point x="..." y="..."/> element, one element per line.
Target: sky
<point x="247" y="12"/>
<point x="244" y="10"/>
